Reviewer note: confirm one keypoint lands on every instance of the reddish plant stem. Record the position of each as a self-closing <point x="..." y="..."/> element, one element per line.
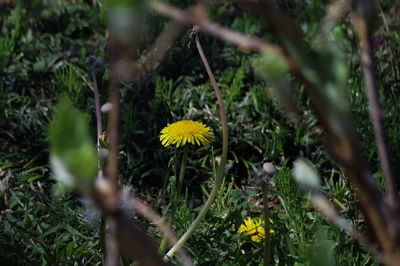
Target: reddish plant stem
<point x="364" y="15"/>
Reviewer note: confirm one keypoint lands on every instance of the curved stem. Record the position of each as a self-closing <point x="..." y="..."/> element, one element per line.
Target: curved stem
<point x="221" y="169"/>
<point x="177" y="193"/>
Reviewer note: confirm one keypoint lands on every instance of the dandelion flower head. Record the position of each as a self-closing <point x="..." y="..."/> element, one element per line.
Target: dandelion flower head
<point x="186" y="131"/>
<point x="255" y="228"/>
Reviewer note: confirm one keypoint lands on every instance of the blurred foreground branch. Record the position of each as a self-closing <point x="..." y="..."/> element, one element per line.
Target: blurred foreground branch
<point x="364" y="14"/>
<point x="155" y="219"/>
<point x="196" y="16"/>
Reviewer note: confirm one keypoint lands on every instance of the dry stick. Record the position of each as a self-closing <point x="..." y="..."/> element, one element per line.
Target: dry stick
<point x="336" y="10"/>
<point x="363" y="26"/>
<point x="123" y="234"/>
<point x="99" y="124"/>
<point x="163" y="43"/>
<point x="112" y="174"/>
<point x="112" y="254"/>
<point x="324" y="206"/>
<point x="98" y="110"/>
<point x="221" y="169"/>
<point x="140" y="207"/>
<point x="105" y="245"/>
<point x="132" y="241"/>
<point x="194" y="17"/>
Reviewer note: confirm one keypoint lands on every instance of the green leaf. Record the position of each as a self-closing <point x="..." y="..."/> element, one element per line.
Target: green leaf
<point x="73" y="155"/>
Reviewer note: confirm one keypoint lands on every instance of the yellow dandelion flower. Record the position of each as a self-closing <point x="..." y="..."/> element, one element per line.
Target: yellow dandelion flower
<point x="186" y="131"/>
<point x="255" y="228"/>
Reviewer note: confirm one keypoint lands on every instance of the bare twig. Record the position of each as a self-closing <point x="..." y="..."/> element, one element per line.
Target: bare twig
<point x="364" y="15"/>
<point x="123" y="234"/>
<point x="99" y="126"/>
<point x="99" y="122"/>
<point x="323" y="205"/>
<point x="112" y="175"/>
<point x="154" y="218"/>
<point x="113" y="117"/>
<point x="336" y="10"/>
<point x="163" y="43"/>
<point x="112" y="243"/>
<point x="195" y="16"/>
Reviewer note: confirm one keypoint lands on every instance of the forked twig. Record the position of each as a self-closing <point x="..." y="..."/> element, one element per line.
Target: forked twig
<point x="195" y="16"/>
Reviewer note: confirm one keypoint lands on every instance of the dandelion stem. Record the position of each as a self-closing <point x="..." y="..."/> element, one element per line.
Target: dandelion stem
<point x="267" y="239"/>
<point x="221" y="169"/>
<point x="181" y="177"/>
<point x="177" y="193"/>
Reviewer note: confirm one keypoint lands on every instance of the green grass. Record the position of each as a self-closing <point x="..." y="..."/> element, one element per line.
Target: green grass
<point x="47" y="52"/>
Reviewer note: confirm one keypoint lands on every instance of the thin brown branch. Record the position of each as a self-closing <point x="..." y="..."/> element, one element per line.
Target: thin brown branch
<point x="195" y="16"/>
<point x="99" y="122"/>
<point x="324" y="206"/>
<point x="155" y="219"/>
<point x="336" y="11"/>
<point x="223" y="117"/>
<point x="113" y="117"/>
<point x="134" y="243"/>
<point x="161" y="46"/>
<point x="364" y="15"/>
<point x="112" y="256"/>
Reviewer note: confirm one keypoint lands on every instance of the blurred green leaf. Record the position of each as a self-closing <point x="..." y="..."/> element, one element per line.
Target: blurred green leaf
<point x="272" y="66"/>
<point x="73" y="156"/>
<point x="306" y="175"/>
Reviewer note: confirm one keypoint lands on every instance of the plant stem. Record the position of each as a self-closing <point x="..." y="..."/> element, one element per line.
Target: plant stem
<point x="155" y="219"/>
<point x="177" y="193"/>
<point x="103" y="228"/>
<point x="267" y="239"/>
<point x="99" y="125"/>
<point x="221" y="169"/>
<point x="364" y="17"/>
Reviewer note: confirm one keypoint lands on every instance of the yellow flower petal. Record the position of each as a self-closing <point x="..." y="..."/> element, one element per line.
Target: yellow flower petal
<point x="255" y="228"/>
<point x="186" y="131"/>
